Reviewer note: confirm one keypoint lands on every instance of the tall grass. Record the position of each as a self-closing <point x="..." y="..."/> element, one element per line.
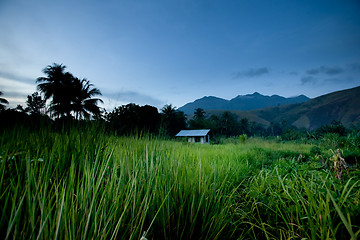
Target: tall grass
<point x="84" y="184"/>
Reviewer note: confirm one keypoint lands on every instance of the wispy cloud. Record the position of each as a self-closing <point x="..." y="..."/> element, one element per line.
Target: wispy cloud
<point x="250" y="73"/>
<point x="15" y="88"/>
<point x="16" y="92"/>
<point x="345" y="74"/>
<point x="133" y="97"/>
<point x="326" y="70"/>
<point x="15" y="77"/>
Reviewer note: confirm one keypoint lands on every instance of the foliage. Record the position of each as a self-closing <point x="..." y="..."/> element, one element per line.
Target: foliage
<point x="35" y="104"/>
<point x="227" y="124"/>
<point x="10" y="118"/>
<point x="172" y="121"/>
<point x="335" y="127"/>
<point x="199" y="120"/>
<point x="243" y="138"/>
<point x="68" y="93"/>
<point x="83" y="102"/>
<point x="85" y="184"/>
<point x="132" y="118"/>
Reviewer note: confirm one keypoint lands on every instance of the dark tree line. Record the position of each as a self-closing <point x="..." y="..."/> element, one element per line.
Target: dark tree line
<point x="72" y="99"/>
<point x="132" y="118"/>
<point x="226" y="124"/>
<point x="135" y="119"/>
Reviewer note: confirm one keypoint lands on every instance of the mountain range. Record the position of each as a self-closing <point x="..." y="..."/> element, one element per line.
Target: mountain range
<point x="241" y="102"/>
<point x="301" y="111"/>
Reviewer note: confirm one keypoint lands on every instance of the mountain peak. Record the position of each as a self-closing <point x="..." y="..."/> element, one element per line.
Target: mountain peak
<point x="253" y="95"/>
<point x="241" y="102"/>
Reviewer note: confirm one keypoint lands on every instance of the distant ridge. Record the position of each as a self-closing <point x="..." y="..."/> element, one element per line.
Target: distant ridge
<point x="241" y="102"/>
<point x="302" y="112"/>
<point x="343" y="106"/>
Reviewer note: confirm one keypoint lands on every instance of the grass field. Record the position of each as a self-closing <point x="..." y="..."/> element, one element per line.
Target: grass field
<point x="85" y="184"/>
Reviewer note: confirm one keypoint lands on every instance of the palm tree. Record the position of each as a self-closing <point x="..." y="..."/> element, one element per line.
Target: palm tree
<point x="168" y="111"/>
<point x="56" y="85"/>
<point x="172" y="120"/>
<point x="69" y="94"/>
<point x="2" y="102"/>
<point x="83" y="104"/>
<point x="199" y="114"/>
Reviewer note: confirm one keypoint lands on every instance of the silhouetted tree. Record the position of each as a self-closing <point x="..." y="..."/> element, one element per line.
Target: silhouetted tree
<point x="56" y="85"/>
<point x="199" y="114"/>
<point x="68" y="93"/>
<point x="124" y="119"/>
<point x="35" y="103"/>
<point x="214" y="124"/>
<point x="20" y="108"/>
<point x="229" y="124"/>
<point x="199" y="121"/>
<point x="244" y="126"/>
<point x="172" y="120"/>
<point x="2" y="102"/>
<point x="131" y="118"/>
<point x="149" y="119"/>
<point x="82" y="103"/>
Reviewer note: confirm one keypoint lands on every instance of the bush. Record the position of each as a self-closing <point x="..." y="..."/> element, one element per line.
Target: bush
<point x="243" y="138"/>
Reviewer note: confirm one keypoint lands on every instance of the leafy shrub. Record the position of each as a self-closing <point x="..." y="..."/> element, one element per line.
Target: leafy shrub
<point x="243" y="138"/>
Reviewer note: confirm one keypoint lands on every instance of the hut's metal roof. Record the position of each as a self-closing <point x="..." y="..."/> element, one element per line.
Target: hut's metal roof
<point x="193" y="133"/>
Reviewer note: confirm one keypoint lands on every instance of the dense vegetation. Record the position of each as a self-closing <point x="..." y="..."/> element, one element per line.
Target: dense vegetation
<point x="85" y="183"/>
<point x="70" y="170"/>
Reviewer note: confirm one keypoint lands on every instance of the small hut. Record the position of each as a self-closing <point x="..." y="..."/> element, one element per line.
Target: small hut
<point x="201" y="136"/>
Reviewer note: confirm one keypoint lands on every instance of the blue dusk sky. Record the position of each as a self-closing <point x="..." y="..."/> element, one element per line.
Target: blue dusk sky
<point x="176" y="51"/>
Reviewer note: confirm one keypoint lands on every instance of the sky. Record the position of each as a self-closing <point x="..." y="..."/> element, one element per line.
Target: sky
<point x="175" y="51"/>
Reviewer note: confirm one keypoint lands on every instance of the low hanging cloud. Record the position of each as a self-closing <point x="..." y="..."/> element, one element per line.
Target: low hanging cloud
<point x="335" y="70"/>
<point x="250" y="73"/>
<point x="133" y="97"/>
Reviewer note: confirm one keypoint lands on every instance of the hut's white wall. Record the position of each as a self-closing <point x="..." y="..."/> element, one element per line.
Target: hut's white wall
<point x="202" y="140"/>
